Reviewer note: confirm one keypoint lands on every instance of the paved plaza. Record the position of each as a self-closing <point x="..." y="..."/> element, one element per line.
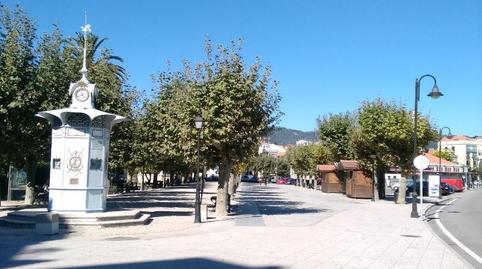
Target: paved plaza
<point x="273" y="226"/>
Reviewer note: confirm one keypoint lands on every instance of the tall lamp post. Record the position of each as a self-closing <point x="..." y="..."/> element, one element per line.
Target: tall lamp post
<point x="440" y="158"/>
<point x="435" y="94"/>
<point x="198" y="123"/>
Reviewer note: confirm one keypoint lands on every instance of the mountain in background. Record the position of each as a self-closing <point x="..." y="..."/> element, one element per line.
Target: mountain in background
<point x="285" y="136"/>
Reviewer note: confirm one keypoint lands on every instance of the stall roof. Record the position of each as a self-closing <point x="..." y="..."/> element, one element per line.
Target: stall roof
<point x="348" y="165"/>
<point x="325" y="167"/>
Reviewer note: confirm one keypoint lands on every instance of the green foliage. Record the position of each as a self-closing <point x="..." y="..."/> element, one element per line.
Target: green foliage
<point x="335" y="131"/>
<point x="385" y="130"/>
<point x="35" y="75"/>
<point x="283" y="167"/>
<point x="238" y="105"/>
<point x="264" y="164"/>
<point x="303" y="159"/>
<point x="17" y="75"/>
<point x="445" y="154"/>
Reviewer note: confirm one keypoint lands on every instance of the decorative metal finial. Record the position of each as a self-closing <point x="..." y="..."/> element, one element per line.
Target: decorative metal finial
<point x="86" y="29"/>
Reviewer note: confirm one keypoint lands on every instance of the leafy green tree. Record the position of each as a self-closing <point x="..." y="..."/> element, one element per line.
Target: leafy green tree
<point x="445" y="154"/>
<point x="238" y="105"/>
<point x="335" y="131"/>
<point x="33" y="79"/>
<point x="385" y="136"/>
<point x="18" y="105"/>
<point x="319" y="154"/>
<point x="283" y="167"/>
<point x="304" y="158"/>
<point x="264" y="164"/>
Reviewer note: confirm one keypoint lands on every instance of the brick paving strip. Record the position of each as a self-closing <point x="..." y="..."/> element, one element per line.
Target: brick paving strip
<point x="271" y="227"/>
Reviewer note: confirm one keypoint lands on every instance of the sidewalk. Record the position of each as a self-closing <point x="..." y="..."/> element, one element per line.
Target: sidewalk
<point x="273" y="227"/>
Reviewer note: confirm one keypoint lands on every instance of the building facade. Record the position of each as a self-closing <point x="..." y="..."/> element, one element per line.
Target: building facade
<point x="468" y="150"/>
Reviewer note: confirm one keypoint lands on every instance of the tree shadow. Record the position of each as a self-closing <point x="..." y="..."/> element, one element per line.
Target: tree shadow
<point x="156" y="202"/>
<point x="190" y="263"/>
<point x="270" y="203"/>
<point x="15" y="241"/>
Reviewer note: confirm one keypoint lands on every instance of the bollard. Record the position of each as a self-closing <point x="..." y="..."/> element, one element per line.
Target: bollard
<point x="47" y="223"/>
<point x="414" y="213"/>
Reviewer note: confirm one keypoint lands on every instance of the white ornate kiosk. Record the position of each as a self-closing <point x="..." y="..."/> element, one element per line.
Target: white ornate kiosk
<point x="80" y="149"/>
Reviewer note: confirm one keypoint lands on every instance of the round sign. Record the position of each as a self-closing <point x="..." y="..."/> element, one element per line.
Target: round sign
<point x="421" y="162"/>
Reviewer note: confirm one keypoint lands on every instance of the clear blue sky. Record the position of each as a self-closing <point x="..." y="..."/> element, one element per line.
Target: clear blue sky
<point x="327" y="55"/>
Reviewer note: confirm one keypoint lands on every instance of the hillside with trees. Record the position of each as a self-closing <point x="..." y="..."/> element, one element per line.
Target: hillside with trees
<point x="285" y="136"/>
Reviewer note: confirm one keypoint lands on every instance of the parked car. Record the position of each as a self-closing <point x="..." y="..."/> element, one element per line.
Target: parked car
<point x="212" y="178"/>
<point x="249" y="178"/>
<point x="282" y="180"/>
<point x="272" y="179"/>
<point x="417" y="188"/>
<point x="456" y="183"/>
<point x="446" y="189"/>
<point x="292" y="181"/>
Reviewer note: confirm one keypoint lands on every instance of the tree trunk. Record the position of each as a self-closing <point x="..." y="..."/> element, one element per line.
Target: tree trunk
<point x="381" y="184"/>
<point x="222" y="193"/>
<point x="402" y="189"/>
<point x="142" y="181"/>
<point x="232" y="186"/>
<point x="31" y="166"/>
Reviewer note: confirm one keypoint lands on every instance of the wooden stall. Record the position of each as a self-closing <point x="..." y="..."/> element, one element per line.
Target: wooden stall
<point x="329" y="178"/>
<point x="358" y="184"/>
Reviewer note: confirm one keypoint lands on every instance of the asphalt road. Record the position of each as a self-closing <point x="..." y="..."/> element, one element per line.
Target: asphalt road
<point x="462" y="218"/>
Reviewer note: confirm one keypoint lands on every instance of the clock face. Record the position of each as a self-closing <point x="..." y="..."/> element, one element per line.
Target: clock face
<point x="82" y="94"/>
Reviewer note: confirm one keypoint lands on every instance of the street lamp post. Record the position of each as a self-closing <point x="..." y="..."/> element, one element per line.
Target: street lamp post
<point x="440" y="159"/>
<point x="198" y="123"/>
<point x="435" y="93"/>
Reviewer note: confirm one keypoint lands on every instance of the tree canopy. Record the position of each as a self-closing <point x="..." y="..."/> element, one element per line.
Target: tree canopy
<point x="238" y="103"/>
<point x="34" y="76"/>
<point x="335" y="130"/>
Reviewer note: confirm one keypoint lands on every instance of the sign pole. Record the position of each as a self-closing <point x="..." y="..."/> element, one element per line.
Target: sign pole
<point x="421" y="186"/>
<point x="421" y="162"/>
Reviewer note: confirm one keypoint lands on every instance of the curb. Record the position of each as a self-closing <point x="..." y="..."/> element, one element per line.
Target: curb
<point x="436" y="204"/>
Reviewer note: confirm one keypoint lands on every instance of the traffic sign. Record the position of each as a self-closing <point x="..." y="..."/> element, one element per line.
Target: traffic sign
<point x="421" y="162"/>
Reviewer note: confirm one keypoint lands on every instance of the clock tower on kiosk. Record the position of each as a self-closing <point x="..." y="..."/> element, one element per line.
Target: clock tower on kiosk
<point x="80" y="148"/>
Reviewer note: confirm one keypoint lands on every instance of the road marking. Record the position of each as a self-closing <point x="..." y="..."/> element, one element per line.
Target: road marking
<point x="451" y="237"/>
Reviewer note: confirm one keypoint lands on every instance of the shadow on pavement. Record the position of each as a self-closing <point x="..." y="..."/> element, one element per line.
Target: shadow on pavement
<point x="14" y="241"/>
<point x="271" y="203"/>
<point x="192" y="263"/>
<point x="158" y="203"/>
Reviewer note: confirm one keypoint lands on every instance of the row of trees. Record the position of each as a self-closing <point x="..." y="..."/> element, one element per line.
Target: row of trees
<point x="238" y="102"/>
<point x="378" y="132"/>
<point x="34" y="76"/>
